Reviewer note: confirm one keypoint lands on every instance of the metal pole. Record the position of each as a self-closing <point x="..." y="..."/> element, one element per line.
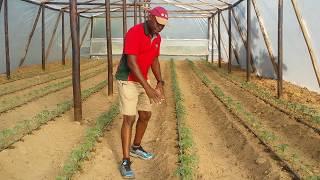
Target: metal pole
<point x="234" y="50"/>
<point x="230" y="41"/>
<point x="43" y="40"/>
<point x="307" y="39"/>
<point x="78" y="27"/>
<point x="1" y="4"/>
<point x="242" y="35"/>
<point x="208" y="36"/>
<point x="63" y="39"/>
<point x="265" y="37"/>
<point x="140" y="13"/>
<point x="135" y="12"/>
<point x="124" y="22"/>
<point x="212" y="45"/>
<point x="30" y="36"/>
<point x="75" y="61"/>
<point x="91" y="34"/>
<point x="53" y="35"/>
<point x="280" y="47"/>
<point x="219" y="40"/>
<point x="6" y="31"/>
<point x="248" y="38"/>
<point x="109" y="47"/>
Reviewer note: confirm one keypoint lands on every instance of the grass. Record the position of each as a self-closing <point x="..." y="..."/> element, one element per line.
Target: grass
<point x="266" y="136"/>
<point x="265" y="95"/>
<point x="9" y="136"/>
<point x="10" y="103"/>
<point x="187" y="157"/>
<point x="10" y="88"/>
<point x="82" y="152"/>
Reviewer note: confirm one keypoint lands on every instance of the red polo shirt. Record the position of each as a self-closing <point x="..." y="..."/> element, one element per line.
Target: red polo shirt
<point x="138" y="42"/>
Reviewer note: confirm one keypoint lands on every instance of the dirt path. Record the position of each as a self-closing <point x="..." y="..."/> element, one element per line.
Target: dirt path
<point x="224" y="148"/>
<point x="302" y="140"/>
<point x="42" y="154"/>
<point x="160" y="138"/>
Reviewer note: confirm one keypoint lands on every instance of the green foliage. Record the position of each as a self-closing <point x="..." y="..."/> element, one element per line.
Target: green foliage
<point x="9" y="136"/>
<point x="83" y="150"/>
<point x="265" y="95"/>
<point x="187" y="157"/>
<point x="236" y="107"/>
<point x="10" y="103"/>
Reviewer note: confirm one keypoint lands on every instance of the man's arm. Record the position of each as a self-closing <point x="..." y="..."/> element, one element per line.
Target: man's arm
<point x="152" y="93"/>
<point x="157" y="73"/>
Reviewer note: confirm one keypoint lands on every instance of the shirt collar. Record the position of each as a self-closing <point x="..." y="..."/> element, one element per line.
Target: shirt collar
<point x="147" y="31"/>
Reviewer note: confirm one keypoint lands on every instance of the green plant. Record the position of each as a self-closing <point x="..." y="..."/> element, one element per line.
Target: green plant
<point x="83" y="150"/>
<point x="187" y="157"/>
<point x="9" y="136"/>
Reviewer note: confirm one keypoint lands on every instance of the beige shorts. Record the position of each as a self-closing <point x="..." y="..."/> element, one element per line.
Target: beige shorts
<point x="133" y="98"/>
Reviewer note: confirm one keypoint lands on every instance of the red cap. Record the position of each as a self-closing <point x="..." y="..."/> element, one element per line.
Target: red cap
<point x="161" y="14"/>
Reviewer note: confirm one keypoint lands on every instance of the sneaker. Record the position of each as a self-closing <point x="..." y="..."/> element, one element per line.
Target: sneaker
<point x="141" y="153"/>
<point x="125" y="169"/>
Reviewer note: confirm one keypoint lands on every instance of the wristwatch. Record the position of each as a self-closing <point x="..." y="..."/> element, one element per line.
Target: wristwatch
<point x="161" y="81"/>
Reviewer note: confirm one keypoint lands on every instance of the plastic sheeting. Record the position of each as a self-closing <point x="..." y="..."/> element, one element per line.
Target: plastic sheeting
<point x="21" y="18"/>
<point x="182" y="36"/>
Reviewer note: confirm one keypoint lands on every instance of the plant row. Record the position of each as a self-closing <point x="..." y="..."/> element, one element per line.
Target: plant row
<point x="267" y="137"/>
<point x="187" y="157"/>
<point x="11" y="135"/>
<point x="83" y="151"/>
<point x="298" y="110"/>
<point x="11" y="88"/>
<point x="10" y="103"/>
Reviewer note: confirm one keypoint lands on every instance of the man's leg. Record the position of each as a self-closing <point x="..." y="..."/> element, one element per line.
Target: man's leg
<point x="142" y="123"/>
<point x="126" y="133"/>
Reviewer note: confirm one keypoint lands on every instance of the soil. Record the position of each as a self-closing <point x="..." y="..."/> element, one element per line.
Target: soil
<point x="224" y="147"/>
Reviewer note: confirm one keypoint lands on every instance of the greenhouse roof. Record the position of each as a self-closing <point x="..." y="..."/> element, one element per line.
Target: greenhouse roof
<point x="90" y="8"/>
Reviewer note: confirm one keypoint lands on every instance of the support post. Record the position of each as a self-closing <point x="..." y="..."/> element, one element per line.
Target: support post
<point x="265" y="37"/>
<point x="1" y="4"/>
<point x="30" y="37"/>
<point x="140" y="13"/>
<point x="248" y="38"/>
<point x="6" y="31"/>
<point x="135" y="12"/>
<point x="212" y="45"/>
<point x="109" y="47"/>
<point x="208" y="36"/>
<point x="237" y="23"/>
<point x="52" y="37"/>
<point x="230" y="40"/>
<point x="75" y="60"/>
<point x="43" y="36"/>
<point x="307" y="40"/>
<point x="219" y="40"/>
<point x="280" y="47"/>
<point x="91" y="34"/>
<point x="63" y="55"/>
<point x="124" y="20"/>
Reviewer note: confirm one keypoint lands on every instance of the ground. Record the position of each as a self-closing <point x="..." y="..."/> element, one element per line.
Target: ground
<point x="237" y="130"/>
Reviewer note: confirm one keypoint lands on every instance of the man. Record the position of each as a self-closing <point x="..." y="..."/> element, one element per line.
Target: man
<point x="141" y="51"/>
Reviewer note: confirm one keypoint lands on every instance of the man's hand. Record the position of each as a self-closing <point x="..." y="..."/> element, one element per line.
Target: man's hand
<point x="153" y="94"/>
<point x="160" y="90"/>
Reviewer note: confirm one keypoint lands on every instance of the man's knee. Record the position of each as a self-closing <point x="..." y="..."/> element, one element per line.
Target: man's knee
<point x="144" y="115"/>
<point x="129" y="120"/>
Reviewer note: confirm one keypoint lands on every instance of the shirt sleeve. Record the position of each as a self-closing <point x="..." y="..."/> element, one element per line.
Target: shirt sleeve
<point x="131" y="44"/>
